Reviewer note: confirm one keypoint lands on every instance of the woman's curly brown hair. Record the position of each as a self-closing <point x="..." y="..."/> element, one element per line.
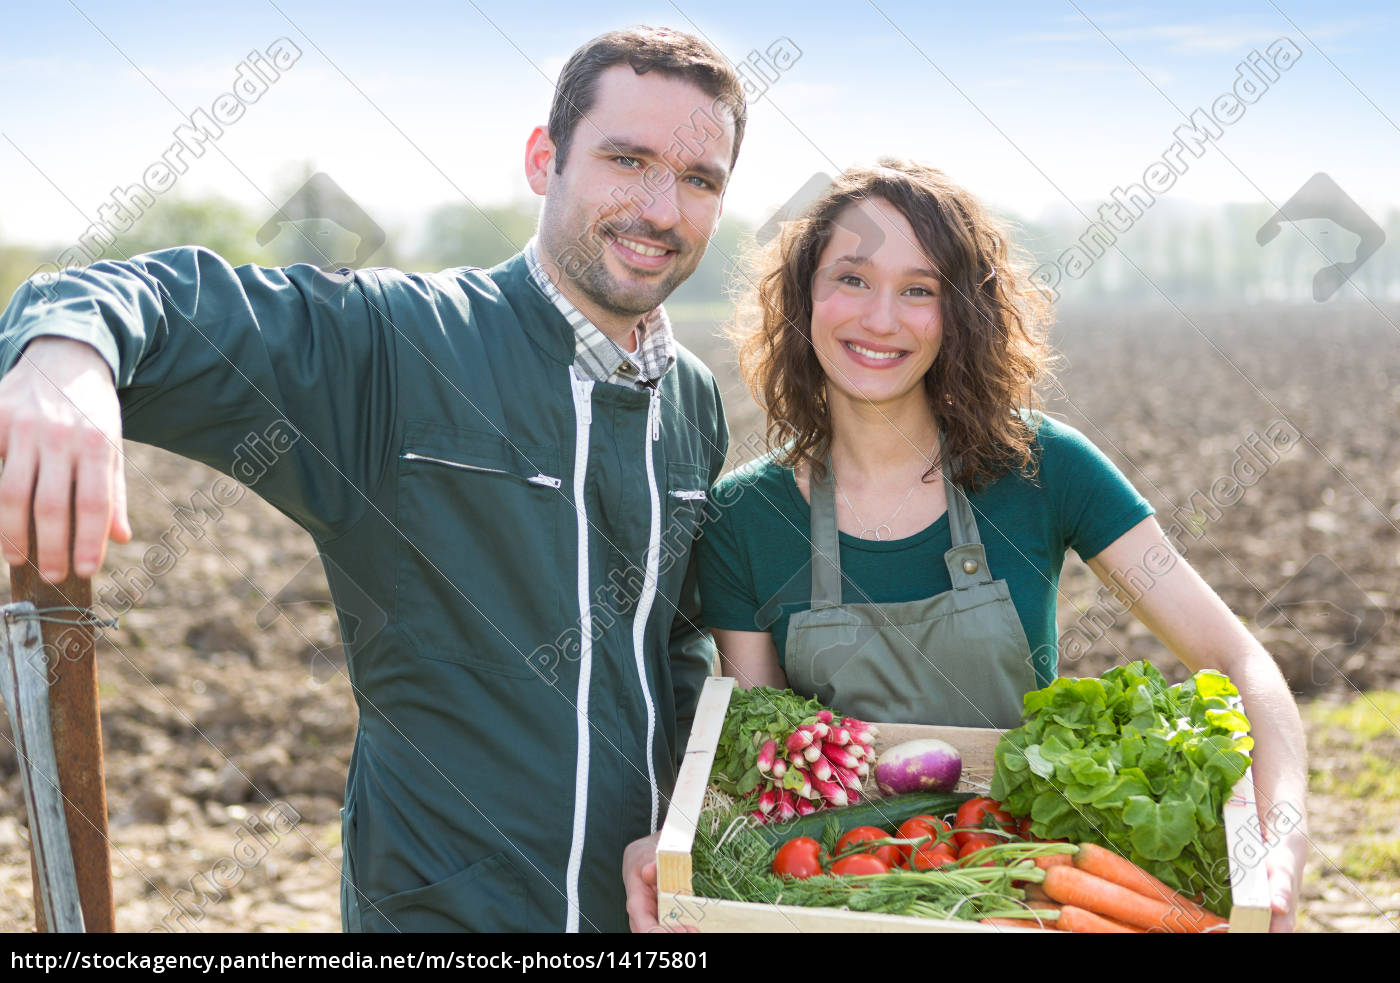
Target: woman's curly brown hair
<point x="993" y="353"/>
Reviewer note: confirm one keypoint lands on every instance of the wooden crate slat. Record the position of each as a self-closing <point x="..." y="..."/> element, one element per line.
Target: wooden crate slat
<point x="1244" y="846"/>
<point x="678" y="830"/>
<point x="711" y="915"/>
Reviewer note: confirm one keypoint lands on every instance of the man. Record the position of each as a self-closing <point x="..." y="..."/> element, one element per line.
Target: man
<point x="504" y="462"/>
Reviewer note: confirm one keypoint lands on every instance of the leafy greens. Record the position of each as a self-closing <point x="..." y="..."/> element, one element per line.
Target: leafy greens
<point x="1130" y="762"/>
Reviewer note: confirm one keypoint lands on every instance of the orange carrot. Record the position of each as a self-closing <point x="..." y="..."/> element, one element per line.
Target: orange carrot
<point x="1055" y="860"/>
<point x="1032" y="923"/>
<point x="1074" y="919"/>
<point x="1034" y="892"/>
<point x="1072" y="886"/>
<point x="1110" y="866"/>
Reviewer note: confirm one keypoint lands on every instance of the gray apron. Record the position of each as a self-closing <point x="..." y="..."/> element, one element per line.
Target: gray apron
<point x="959" y="658"/>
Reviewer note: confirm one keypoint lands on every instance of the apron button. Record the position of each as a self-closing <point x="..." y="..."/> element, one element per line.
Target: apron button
<point x="969" y="566"/>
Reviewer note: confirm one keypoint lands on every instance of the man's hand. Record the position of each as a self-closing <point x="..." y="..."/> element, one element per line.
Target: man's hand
<point x="61" y="441"/>
<point x="639" y="877"/>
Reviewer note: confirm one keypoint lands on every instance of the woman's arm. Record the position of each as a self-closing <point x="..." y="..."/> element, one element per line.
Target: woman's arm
<point x="750" y="657"/>
<point x="1190" y="619"/>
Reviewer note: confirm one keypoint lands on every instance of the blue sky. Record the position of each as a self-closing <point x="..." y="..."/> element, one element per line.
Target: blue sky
<point x="412" y="104"/>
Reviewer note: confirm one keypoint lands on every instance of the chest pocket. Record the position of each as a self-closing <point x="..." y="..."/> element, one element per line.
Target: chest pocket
<point x="479" y="516"/>
<point x="684" y="509"/>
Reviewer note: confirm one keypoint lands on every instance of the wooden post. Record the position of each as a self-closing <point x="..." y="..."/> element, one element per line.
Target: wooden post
<point x="77" y="734"/>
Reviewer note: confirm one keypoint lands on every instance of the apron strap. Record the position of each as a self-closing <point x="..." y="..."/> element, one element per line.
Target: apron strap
<point x="967" y="560"/>
<point x="826" y="544"/>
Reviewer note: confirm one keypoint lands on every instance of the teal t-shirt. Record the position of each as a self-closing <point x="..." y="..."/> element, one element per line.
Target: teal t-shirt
<point x="754" y="555"/>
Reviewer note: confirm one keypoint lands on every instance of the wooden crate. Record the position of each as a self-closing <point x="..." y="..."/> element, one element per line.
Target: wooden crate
<point x="680" y="908"/>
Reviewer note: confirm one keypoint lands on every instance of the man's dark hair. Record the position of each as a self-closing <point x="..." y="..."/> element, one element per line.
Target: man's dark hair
<point x="646" y="49"/>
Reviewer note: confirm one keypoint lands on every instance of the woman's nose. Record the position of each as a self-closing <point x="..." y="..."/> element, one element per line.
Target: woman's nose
<point x="880" y="315"/>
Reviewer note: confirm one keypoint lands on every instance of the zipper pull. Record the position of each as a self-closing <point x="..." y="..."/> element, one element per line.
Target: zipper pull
<point x="654" y="411"/>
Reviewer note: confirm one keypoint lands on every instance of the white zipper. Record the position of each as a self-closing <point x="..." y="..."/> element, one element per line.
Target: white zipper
<point x="583" y="417"/>
<point x="644" y="603"/>
<point x="541" y="479"/>
<point x="698" y="495"/>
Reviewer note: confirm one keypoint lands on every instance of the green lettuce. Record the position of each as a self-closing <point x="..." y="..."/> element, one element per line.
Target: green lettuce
<point x="1132" y="763"/>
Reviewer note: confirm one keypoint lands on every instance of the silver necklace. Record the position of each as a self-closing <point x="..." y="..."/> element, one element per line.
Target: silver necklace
<point x="885" y="530"/>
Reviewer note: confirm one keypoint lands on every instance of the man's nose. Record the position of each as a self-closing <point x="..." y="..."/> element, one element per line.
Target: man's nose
<point x="660" y="206"/>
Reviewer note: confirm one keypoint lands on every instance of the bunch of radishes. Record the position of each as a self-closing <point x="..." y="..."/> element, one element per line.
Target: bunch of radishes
<point x="821" y="763"/>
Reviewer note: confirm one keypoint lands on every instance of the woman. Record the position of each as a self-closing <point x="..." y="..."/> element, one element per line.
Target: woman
<point x="898" y="553"/>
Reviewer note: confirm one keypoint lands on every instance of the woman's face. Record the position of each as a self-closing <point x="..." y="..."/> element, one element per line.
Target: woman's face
<point x="876" y="321"/>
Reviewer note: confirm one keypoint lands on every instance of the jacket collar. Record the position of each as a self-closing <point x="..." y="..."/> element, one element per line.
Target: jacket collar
<point x="542" y="321"/>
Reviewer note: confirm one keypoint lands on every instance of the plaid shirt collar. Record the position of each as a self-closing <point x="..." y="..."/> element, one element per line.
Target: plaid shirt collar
<point x="596" y="355"/>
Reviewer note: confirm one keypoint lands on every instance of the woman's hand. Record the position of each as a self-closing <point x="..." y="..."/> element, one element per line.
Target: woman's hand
<point x="1284" y="863"/>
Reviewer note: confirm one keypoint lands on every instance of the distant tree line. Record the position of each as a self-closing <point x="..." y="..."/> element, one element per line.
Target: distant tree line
<point x="1186" y="255"/>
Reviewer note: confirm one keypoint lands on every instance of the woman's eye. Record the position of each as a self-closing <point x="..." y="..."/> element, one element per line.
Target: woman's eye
<point x="848" y="277"/>
<point x="924" y="291"/>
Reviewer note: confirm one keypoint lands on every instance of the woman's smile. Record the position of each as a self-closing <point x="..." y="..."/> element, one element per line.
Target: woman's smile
<point x="873" y="356"/>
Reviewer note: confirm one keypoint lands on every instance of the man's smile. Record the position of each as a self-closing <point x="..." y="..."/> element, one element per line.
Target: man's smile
<point x="638" y="253"/>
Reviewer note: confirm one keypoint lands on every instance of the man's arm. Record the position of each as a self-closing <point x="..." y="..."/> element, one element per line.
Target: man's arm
<point x="692" y="648"/>
<point x="242" y="369"/>
<point x="692" y="658"/>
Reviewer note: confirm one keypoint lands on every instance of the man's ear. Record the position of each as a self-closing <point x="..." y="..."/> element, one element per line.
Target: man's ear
<point x="539" y="160"/>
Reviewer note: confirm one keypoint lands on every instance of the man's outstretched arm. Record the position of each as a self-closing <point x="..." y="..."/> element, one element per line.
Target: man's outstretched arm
<point x="242" y="369"/>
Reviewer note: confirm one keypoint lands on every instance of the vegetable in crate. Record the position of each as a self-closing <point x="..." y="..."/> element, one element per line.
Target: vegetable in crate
<point x="785" y="756"/>
<point x="926" y="765"/>
<point x="1131" y="763"/>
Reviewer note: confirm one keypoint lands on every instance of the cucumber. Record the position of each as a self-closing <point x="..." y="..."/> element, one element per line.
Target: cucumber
<point x="886" y="813"/>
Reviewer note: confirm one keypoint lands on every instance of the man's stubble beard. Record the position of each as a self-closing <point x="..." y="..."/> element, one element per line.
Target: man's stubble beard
<point x="598" y="284"/>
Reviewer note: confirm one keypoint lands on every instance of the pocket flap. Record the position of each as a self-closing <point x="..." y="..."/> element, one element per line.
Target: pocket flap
<point x="488" y="896"/>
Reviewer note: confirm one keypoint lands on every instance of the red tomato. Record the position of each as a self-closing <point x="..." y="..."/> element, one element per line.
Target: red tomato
<point x="1023" y="828"/>
<point x="981" y="813"/>
<point x="913" y="829"/>
<point x="975" y="845"/>
<point x="933" y="821"/>
<point x="799" y="858"/>
<point x="929" y="858"/>
<point x="861" y="863"/>
<point x="888" y="853"/>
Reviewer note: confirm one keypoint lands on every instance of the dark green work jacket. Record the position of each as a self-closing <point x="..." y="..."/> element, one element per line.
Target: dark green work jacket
<point x="508" y="548"/>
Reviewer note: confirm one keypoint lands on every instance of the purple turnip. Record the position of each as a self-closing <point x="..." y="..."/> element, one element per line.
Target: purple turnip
<point x="927" y="765"/>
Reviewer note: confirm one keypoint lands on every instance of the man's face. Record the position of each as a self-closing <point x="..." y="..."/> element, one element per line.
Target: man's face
<point x="628" y="218"/>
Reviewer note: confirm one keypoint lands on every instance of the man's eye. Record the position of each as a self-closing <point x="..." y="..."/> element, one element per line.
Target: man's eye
<point x="701" y="183"/>
<point x="627" y="161"/>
